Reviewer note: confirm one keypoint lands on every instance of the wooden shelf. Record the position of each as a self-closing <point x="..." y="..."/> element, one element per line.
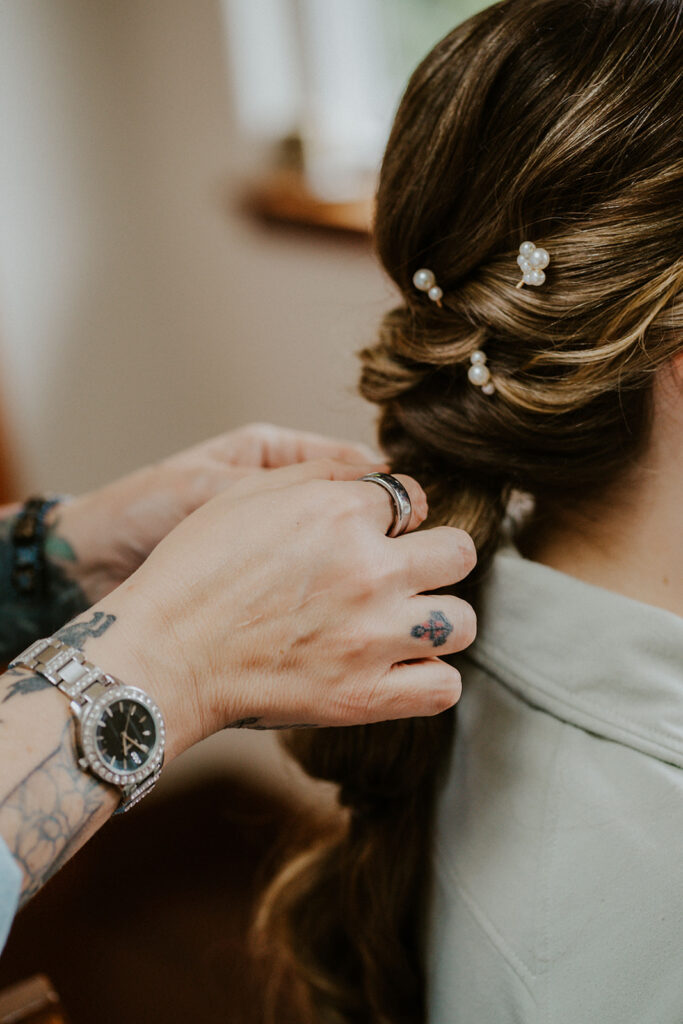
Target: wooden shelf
<point x="284" y="196"/>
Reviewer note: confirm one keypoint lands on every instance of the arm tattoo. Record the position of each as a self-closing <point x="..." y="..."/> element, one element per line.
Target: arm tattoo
<point x="44" y="816"/>
<point x="23" y="683"/>
<point x="436" y="629"/>
<point x="24" y="619"/>
<point x="76" y="633"/>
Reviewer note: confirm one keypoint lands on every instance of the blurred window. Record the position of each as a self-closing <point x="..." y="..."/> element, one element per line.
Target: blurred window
<point x="330" y="73"/>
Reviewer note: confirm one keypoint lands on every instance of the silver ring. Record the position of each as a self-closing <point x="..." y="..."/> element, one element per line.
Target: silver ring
<point x="403" y="510"/>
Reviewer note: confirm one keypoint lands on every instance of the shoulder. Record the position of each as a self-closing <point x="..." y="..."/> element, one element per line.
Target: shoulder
<point x="554" y="865"/>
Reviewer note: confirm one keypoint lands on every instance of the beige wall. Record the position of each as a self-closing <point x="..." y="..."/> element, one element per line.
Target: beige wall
<point x="139" y="310"/>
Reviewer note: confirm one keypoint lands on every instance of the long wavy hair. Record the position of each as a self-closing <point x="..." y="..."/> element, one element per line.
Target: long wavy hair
<point x="559" y="121"/>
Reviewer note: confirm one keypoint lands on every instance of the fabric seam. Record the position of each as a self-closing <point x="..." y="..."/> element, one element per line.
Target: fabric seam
<point x="486" y="925"/>
<point x="503" y="673"/>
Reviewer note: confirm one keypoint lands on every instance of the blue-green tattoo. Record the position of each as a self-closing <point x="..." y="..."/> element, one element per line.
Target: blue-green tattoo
<point x="25" y="618"/>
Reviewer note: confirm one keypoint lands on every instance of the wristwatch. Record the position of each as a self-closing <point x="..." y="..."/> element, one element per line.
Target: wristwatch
<point x="120" y="732"/>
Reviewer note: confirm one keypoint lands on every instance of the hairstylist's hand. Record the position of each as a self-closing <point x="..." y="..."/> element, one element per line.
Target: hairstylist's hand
<point x="99" y="539"/>
<point x="281" y="602"/>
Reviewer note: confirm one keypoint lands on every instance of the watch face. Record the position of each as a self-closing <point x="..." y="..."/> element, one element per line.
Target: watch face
<point x="125" y="736"/>
<point x="122" y="736"/>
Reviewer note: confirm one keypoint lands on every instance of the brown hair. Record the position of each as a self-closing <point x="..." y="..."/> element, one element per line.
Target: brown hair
<point x="561" y="122"/>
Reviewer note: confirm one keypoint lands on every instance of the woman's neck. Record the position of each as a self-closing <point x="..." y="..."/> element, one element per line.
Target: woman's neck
<point x="642" y="559"/>
<point x="632" y="542"/>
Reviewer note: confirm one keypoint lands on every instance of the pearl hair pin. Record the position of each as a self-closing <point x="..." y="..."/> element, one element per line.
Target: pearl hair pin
<point x="532" y="261"/>
<point x="479" y="373"/>
<point x="425" y="281"/>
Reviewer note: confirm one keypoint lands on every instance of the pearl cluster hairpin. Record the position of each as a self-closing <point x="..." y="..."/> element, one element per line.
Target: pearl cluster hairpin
<point x="532" y="261"/>
<point x="479" y="373"/>
<point x="425" y="281"/>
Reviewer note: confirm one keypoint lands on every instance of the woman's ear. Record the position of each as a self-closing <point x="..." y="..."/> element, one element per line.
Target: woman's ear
<point x="677" y="367"/>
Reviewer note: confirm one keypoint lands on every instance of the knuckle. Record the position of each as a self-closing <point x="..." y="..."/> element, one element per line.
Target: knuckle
<point x="362" y="544"/>
<point x="467" y="631"/>
<point x="356" y="572"/>
<point x="459" y="550"/>
<point x="449" y="691"/>
<point x="373" y="562"/>
<point x="259" y="428"/>
<point x="334" y="468"/>
<point x="253" y="434"/>
<point x="468" y="552"/>
<point x="405" y="567"/>
<point x="420" y="508"/>
<point x="328" y="463"/>
<point x="368" y="578"/>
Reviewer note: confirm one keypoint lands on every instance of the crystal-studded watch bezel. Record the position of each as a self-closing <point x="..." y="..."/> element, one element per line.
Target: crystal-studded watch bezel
<point x="91" y="721"/>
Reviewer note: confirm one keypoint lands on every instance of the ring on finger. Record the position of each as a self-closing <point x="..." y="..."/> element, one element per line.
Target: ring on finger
<point x="403" y="509"/>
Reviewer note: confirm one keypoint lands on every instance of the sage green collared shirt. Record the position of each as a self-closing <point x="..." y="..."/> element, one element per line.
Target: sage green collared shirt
<point x="558" y="894"/>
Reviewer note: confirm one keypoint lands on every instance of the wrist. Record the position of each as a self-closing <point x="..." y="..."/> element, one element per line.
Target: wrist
<point x="120" y="734"/>
<point x="126" y="640"/>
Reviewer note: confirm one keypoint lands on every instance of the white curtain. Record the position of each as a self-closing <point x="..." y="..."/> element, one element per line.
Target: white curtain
<point x="330" y="71"/>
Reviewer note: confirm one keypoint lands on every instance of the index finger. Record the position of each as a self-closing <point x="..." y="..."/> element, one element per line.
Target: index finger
<point x="287" y="447"/>
<point x="267" y="446"/>
<point x="300" y="473"/>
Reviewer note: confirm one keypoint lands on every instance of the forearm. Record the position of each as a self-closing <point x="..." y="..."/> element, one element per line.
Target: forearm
<point x="25" y="617"/>
<point x="49" y="807"/>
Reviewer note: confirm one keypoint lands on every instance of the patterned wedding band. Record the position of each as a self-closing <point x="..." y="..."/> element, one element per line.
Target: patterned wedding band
<point x="403" y="510"/>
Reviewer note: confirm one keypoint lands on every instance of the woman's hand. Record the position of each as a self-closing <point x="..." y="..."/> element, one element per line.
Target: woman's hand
<point x="99" y="539"/>
<point x="282" y="603"/>
<point x="278" y="603"/>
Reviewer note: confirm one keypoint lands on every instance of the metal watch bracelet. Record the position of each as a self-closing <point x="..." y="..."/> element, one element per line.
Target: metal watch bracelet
<point x="89" y="690"/>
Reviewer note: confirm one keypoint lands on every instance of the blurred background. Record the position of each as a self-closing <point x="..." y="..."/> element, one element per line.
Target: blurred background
<point x="137" y="297"/>
<point x="185" y="197"/>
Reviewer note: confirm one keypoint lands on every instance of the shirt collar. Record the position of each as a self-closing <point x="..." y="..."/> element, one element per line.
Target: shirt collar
<point x="593" y="658"/>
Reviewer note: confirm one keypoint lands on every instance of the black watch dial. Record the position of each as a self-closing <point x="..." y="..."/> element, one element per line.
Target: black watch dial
<point x="125" y="737"/>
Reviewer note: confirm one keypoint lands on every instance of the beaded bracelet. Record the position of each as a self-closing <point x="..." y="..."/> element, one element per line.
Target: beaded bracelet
<point x="29" y="575"/>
